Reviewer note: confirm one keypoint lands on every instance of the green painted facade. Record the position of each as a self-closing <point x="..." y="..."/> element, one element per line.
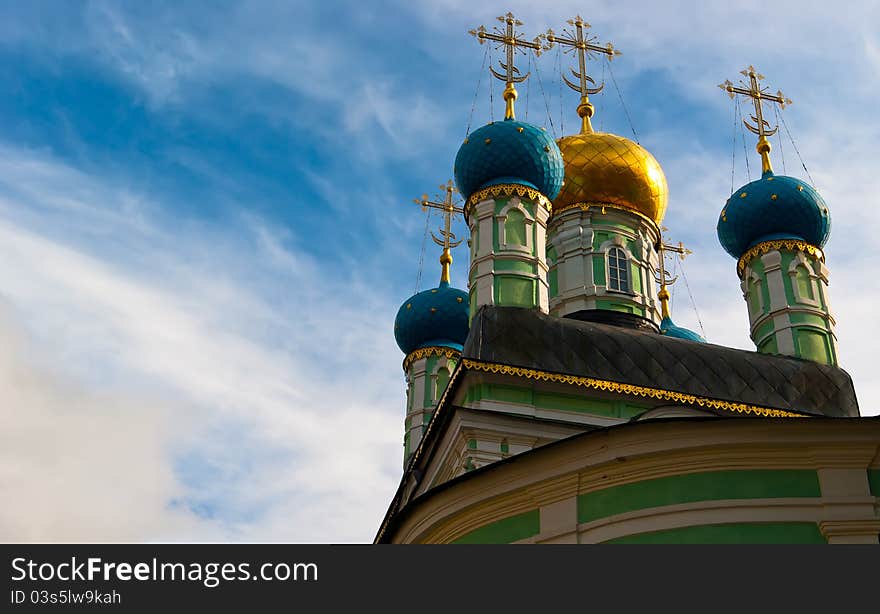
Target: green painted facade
<point x="516" y="278"/>
<point x="505" y="531"/>
<point x="544" y="400"/>
<point x="738" y="533"/>
<point x="585" y="268"/>
<point x="690" y="488"/>
<point x="436" y="375"/>
<point x="874" y="481"/>
<point x="806" y="315"/>
<point x="513" y="291"/>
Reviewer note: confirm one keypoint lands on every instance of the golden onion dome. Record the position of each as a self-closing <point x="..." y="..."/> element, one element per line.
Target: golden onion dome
<point x="602" y="168"/>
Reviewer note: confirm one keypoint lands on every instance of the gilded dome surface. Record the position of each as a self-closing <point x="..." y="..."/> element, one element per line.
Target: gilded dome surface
<point x="606" y="168"/>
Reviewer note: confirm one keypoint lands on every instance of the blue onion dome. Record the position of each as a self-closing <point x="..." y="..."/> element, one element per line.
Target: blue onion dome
<point x="433" y="318"/>
<point x="509" y="151"/>
<point x="668" y="328"/>
<point x="774" y="207"/>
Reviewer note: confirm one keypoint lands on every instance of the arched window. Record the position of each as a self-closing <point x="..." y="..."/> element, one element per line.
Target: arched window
<point x="442" y="382"/>
<point x="754" y="295"/>
<point x="804" y="283"/>
<point x="515" y="228"/>
<point x="618" y="273"/>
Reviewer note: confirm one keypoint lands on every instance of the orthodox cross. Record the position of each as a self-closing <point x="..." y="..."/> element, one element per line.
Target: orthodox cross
<point x="584" y="45"/>
<point x="512" y="41"/>
<point x="663" y="277"/>
<point x="448" y="241"/>
<point x="757" y="93"/>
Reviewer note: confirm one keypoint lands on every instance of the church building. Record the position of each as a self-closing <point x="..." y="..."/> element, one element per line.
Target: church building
<point x="554" y="400"/>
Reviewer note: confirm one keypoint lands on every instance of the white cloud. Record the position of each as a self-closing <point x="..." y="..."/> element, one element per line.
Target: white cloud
<point x="243" y="390"/>
<point x="252" y="403"/>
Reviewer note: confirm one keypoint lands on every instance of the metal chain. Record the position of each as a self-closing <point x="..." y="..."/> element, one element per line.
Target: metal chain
<point x="546" y="101"/>
<point x="693" y="302"/>
<point x="733" y="156"/>
<point x="491" y="90"/>
<point x="528" y="85"/>
<point x="779" y="138"/>
<point x="602" y="97"/>
<point x="787" y="131"/>
<point x="476" y="91"/>
<point x="558" y="70"/>
<point x="743" y="138"/>
<point x="422" y="252"/>
<point x="622" y="103"/>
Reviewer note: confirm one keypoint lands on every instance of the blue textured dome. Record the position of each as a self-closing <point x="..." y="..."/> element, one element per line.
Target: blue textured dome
<point x="436" y="317"/>
<point x="509" y="152"/>
<point x="773" y="207"/>
<point x="668" y="328"/>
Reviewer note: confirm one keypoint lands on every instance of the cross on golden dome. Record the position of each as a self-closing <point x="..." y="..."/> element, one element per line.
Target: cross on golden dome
<point x="758" y="93"/>
<point x="582" y="44"/>
<point x="449" y="210"/>
<point x="512" y="41"/>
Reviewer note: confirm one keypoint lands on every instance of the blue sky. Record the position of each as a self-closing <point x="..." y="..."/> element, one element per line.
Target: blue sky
<point x="206" y="229"/>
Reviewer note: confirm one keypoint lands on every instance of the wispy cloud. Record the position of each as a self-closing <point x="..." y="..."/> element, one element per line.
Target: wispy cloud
<point x="254" y="365"/>
<point x="240" y="370"/>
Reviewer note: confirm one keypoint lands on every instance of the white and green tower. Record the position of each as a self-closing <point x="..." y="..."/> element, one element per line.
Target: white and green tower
<point x="431" y="328"/>
<point x="603" y="233"/>
<point x="508" y="172"/>
<point x="776" y="227"/>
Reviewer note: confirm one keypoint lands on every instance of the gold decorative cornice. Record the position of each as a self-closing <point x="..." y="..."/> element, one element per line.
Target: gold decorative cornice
<point x="507" y="189"/>
<point x="429" y="351"/>
<point x="767" y="246"/>
<point x="586" y="206"/>
<point x="608" y="386"/>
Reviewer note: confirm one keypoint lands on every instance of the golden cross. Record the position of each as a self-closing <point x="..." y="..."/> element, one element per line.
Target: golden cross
<point x="757" y="93"/>
<point x="582" y="44"/>
<point x="512" y="41"/>
<point x="663" y="277"/>
<point x="448" y="241"/>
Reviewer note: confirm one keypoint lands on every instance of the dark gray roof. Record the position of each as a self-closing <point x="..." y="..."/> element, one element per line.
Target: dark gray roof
<point x="531" y="339"/>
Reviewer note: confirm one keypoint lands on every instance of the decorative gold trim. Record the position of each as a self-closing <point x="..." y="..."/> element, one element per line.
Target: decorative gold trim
<point x="507" y="189"/>
<point x="766" y="246"/>
<point x="585" y="206"/>
<point x="656" y="393"/>
<point x="429" y="351"/>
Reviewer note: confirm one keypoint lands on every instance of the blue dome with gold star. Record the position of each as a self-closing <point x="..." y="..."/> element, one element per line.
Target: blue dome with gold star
<point x="668" y="328"/>
<point x="774" y="207"/>
<point x="509" y="151"/>
<point x="433" y="318"/>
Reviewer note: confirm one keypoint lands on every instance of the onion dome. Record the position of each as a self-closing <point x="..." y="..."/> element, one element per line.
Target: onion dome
<point x="668" y="328"/>
<point x="509" y="151"/>
<point x="774" y="207"/>
<point x="603" y="168"/>
<point x="433" y="318"/>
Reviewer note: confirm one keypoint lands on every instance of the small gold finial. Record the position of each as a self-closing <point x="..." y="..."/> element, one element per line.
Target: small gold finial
<point x="663" y="277"/>
<point x="448" y="241"/>
<point x="512" y="42"/>
<point x="584" y="46"/>
<point x="757" y="93"/>
<point x="663" y="295"/>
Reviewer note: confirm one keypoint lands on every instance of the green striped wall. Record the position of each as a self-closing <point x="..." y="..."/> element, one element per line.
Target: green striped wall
<point x="741" y="533"/>
<point x="706" y="486"/>
<point x="505" y="531"/>
<point x="545" y="400"/>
